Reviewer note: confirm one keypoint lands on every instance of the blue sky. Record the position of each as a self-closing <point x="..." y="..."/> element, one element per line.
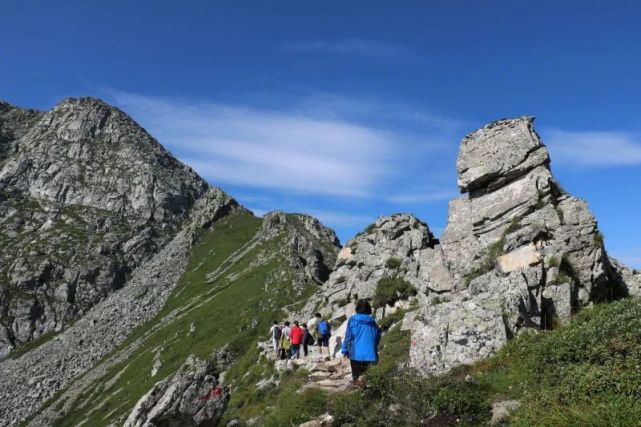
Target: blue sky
<point x="351" y="110"/>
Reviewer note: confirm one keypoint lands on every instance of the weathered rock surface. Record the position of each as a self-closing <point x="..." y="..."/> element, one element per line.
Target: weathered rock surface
<point x="79" y="347"/>
<point x="192" y="397"/>
<point x="630" y="277"/>
<point x="305" y="252"/>
<point x="520" y="251"/>
<point x="517" y="252"/>
<point x="86" y="196"/>
<point x="364" y="261"/>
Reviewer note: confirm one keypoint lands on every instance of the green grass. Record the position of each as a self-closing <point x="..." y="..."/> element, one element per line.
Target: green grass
<point x="488" y="262"/>
<point x="236" y="309"/>
<point x="583" y="374"/>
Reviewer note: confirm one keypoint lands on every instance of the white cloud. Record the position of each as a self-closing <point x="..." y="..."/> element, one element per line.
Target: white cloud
<point x="289" y="150"/>
<point x="369" y="48"/>
<point x="594" y="149"/>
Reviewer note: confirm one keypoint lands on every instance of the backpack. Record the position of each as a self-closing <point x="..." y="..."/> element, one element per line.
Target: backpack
<point x="277" y="333"/>
<point x="323" y="328"/>
<point x="309" y="338"/>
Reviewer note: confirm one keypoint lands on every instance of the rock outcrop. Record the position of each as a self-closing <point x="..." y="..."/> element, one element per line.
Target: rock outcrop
<point x="399" y="245"/>
<point x="518" y="252"/>
<point x="305" y="234"/>
<point x="86" y="196"/>
<point x="192" y="397"/>
<point x="521" y="252"/>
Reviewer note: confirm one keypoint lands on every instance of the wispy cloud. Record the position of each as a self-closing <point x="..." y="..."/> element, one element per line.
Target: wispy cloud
<point x="594" y="149"/>
<point x="294" y="149"/>
<point x="369" y="48"/>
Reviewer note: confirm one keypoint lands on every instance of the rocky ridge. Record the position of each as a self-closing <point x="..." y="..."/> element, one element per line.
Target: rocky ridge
<point x="287" y="244"/>
<point x="102" y="227"/>
<point x="76" y="350"/>
<point x="86" y="196"/>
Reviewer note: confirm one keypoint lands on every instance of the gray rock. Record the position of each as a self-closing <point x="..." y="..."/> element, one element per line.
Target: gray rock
<point x="86" y="196"/>
<point x="363" y="262"/>
<point x="191" y="397"/>
<point x="521" y="253"/>
<point x="498" y="153"/>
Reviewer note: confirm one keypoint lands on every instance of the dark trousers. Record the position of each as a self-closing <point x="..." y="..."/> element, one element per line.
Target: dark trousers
<point x="305" y="349"/>
<point x="358" y="368"/>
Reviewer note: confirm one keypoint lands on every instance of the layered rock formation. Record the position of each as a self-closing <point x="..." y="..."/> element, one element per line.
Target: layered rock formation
<point x="192" y="397"/>
<point x="518" y="252"/>
<point x="521" y="252"/>
<point x="86" y="195"/>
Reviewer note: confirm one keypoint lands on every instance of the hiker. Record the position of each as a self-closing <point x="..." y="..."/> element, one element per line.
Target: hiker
<point x="323" y="332"/>
<point x="361" y="341"/>
<point x="308" y="339"/>
<point x="275" y="333"/>
<point x="296" y="338"/>
<point x="285" y="343"/>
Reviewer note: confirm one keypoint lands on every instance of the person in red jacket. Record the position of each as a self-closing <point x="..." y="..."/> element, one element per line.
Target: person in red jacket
<point x="296" y="338"/>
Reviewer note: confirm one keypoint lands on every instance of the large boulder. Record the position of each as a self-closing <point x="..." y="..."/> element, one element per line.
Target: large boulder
<point x="191" y="397"/>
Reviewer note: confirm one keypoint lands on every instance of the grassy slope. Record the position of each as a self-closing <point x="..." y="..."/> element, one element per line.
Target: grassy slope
<point x="235" y="308"/>
<point x="585" y="374"/>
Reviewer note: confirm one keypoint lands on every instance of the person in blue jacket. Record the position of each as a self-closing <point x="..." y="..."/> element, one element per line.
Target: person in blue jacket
<point x="361" y="341"/>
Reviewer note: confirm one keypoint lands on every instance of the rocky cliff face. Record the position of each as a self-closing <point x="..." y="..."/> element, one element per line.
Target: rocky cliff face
<point x="518" y="252"/>
<point x="86" y="195"/>
<point x="521" y="252"/>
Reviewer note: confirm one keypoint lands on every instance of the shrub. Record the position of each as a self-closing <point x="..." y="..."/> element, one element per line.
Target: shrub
<point x="370" y="228"/>
<point x="492" y="252"/>
<point x="393" y="263"/>
<point x="391" y="289"/>
<point x="598" y="239"/>
<point x="388" y="321"/>
<point x="560" y="213"/>
<point x="515" y="225"/>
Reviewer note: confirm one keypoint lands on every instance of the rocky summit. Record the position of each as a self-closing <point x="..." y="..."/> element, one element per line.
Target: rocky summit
<point x="134" y="293"/>
<point x="86" y="196"/>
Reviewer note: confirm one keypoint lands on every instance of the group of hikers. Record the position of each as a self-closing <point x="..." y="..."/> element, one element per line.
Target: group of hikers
<point x="360" y="343"/>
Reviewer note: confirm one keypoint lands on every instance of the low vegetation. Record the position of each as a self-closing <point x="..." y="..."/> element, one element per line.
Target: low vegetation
<point x="393" y="263"/>
<point x="391" y="289"/>
<point x="583" y="374"/>
<point x="216" y="304"/>
<point x="488" y="262"/>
